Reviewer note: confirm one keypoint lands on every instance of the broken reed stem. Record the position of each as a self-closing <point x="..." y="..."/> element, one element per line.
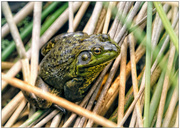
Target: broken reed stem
<point x="134" y="80"/>
<point x="35" y="41"/>
<point x="14" y="31"/>
<point x="26" y="10"/>
<point x="71" y="17"/>
<point x="60" y="101"/>
<point x="122" y="81"/>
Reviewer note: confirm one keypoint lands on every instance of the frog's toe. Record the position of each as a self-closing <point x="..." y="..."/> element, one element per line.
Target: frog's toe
<point x="60" y="108"/>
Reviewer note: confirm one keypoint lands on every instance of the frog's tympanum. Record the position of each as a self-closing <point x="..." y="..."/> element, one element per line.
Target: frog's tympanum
<point x="71" y="62"/>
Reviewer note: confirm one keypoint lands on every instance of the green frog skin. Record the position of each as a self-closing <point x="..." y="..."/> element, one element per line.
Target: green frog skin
<point x="71" y="62"/>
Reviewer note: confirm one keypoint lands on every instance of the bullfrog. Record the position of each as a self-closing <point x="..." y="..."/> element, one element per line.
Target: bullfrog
<point x="71" y="63"/>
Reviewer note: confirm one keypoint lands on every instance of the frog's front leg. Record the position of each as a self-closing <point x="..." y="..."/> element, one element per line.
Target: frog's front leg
<point x="37" y="101"/>
<point x="72" y="89"/>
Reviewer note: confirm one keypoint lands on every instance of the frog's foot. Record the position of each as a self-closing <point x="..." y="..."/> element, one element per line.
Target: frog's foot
<point x="60" y="108"/>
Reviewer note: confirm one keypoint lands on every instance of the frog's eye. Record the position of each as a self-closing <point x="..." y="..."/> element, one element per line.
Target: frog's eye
<point x="84" y="57"/>
<point x="97" y="50"/>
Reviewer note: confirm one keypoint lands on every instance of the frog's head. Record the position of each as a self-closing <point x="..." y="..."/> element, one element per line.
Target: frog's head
<point x="96" y="52"/>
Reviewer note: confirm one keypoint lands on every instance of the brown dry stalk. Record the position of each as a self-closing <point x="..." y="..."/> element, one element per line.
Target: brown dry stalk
<point x="122" y="81"/>
<point x="60" y="101"/>
<point x="134" y="80"/>
<point x="6" y="65"/>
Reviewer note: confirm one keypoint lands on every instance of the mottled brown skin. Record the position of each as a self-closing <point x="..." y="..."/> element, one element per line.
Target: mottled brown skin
<point x="71" y="62"/>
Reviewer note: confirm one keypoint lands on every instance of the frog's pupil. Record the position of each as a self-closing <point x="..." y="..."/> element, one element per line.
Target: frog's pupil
<point x="97" y="50"/>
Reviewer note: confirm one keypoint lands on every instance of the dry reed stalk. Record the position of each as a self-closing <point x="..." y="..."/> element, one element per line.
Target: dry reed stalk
<point x="123" y="13"/>
<point x="6" y="65"/>
<point x="47" y="118"/>
<point x="176" y="4"/>
<point x="108" y="16"/>
<point x="157" y="28"/>
<point x="60" y="101"/>
<point x="35" y="41"/>
<point x="122" y="82"/>
<point x="113" y="28"/>
<point x="71" y="17"/>
<point x="16" y="114"/>
<point x="80" y="14"/>
<point x="100" y="20"/>
<point x="100" y="27"/>
<point x="134" y="80"/>
<point x="166" y="82"/>
<point x="142" y="87"/>
<point x="171" y="108"/>
<point x="129" y="18"/>
<point x="11" y="73"/>
<point x="10" y="107"/>
<point x="60" y="21"/>
<point x="94" y="19"/>
<point x="176" y="124"/>
<point x="141" y="13"/>
<point x="14" y="31"/>
<point x="56" y="120"/>
<point x="26" y="10"/>
<point x="164" y="44"/>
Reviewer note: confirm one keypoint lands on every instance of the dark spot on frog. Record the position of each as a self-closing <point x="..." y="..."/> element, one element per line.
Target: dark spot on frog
<point x="60" y="48"/>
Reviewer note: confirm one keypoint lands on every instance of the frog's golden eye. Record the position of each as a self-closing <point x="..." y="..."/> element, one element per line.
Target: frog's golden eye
<point x="97" y="50"/>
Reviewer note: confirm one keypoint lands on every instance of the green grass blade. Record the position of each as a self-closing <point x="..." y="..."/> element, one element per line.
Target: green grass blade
<point x="167" y="24"/>
<point x="148" y="65"/>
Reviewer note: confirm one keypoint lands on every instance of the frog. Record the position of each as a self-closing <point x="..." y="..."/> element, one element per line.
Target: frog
<point x="72" y="61"/>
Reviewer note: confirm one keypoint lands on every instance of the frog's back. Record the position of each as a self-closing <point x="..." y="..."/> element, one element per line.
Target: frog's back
<point x="59" y="53"/>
